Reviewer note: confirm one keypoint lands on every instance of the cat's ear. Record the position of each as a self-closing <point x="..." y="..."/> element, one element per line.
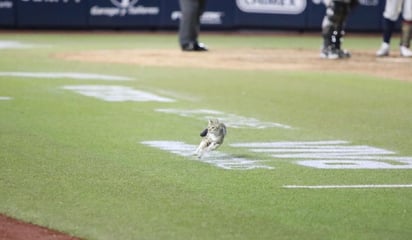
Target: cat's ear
<point x="210" y="122"/>
<point x="215" y="121"/>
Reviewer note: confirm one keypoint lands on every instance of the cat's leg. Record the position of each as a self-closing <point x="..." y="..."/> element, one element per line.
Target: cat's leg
<point x="200" y="149"/>
<point x="213" y="146"/>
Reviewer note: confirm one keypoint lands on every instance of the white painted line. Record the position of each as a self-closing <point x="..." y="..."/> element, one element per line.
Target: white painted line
<point x="215" y="158"/>
<point x="348" y="156"/>
<point x="289" y="144"/>
<point x="340" y="149"/>
<point x="72" y="75"/>
<point x="5" y="98"/>
<point x="349" y="186"/>
<point x="116" y="93"/>
<point x="230" y="120"/>
<point x="335" y="154"/>
<point x="355" y="164"/>
<point x="13" y="44"/>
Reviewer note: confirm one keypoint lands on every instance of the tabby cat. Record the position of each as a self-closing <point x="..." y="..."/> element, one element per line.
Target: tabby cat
<point x="213" y="137"/>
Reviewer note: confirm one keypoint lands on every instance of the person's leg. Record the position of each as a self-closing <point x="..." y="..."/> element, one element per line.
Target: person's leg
<point x="406" y="29"/>
<point x="188" y="26"/>
<point x="332" y="29"/>
<point x="390" y="16"/>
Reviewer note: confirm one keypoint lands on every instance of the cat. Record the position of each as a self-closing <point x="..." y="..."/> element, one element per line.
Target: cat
<point x="213" y="137"/>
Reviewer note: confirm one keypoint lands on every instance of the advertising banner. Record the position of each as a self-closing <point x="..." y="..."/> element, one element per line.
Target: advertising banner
<point x="218" y="14"/>
<point x="283" y="14"/>
<point x="124" y="13"/>
<point x="7" y="17"/>
<point x="51" y="13"/>
<point x="295" y="15"/>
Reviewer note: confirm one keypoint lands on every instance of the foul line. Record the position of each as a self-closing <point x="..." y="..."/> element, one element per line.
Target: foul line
<point x="349" y="186"/>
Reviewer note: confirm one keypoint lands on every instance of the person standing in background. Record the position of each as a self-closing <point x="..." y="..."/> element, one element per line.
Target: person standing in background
<point x="391" y="14"/>
<point x="189" y="25"/>
<point x="333" y="23"/>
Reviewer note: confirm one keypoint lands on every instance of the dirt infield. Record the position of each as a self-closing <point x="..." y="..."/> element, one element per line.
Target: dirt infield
<point x="11" y="229"/>
<point x="393" y="67"/>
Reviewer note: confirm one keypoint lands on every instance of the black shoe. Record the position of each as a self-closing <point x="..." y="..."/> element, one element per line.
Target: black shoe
<point x="195" y="47"/>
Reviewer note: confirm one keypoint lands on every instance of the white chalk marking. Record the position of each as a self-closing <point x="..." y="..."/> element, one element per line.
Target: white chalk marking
<point x="5" y="98"/>
<point x="13" y="44"/>
<point x="72" y="75"/>
<point x="215" y="158"/>
<point x="348" y="186"/>
<point x="116" y="93"/>
<point x="364" y="150"/>
<point x="335" y="154"/>
<point x="355" y="164"/>
<point x="290" y="144"/>
<point x="231" y="120"/>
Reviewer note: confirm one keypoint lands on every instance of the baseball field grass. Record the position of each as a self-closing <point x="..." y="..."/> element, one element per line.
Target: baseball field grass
<point x="102" y="150"/>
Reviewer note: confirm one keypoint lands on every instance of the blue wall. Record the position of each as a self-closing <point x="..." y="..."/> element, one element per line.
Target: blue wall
<point x="164" y="14"/>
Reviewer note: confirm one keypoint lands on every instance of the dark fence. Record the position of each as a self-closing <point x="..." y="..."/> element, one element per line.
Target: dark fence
<point x="297" y="15"/>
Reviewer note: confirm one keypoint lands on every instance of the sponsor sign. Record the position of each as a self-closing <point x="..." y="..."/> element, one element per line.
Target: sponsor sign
<point x="51" y="13"/>
<point x="271" y="13"/>
<point x="207" y="18"/>
<point x="7" y="17"/>
<point x="124" y="13"/>
<point x="218" y="14"/>
<point x="272" y="6"/>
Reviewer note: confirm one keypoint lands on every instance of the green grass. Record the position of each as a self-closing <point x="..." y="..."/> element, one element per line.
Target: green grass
<point x="76" y="164"/>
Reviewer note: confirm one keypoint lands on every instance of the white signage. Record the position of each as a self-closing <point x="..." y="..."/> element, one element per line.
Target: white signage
<point x="215" y="158"/>
<point x="52" y="1"/>
<point x="123" y="8"/>
<point x="335" y="154"/>
<point x="209" y="17"/>
<point x="272" y="6"/>
<point x="6" y="4"/>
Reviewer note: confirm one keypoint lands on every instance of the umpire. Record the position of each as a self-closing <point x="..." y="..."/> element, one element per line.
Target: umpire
<point x="189" y="26"/>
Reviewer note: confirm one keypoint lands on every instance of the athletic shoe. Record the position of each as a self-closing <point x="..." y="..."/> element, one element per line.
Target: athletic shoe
<point x="196" y="47"/>
<point x="328" y="53"/>
<point x="405" y="52"/>
<point x="344" y="53"/>
<point x="333" y="53"/>
<point x="383" y="50"/>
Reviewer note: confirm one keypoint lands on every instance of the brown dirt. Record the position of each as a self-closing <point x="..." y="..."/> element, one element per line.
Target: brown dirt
<point x="362" y="62"/>
<point x="12" y="229"/>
